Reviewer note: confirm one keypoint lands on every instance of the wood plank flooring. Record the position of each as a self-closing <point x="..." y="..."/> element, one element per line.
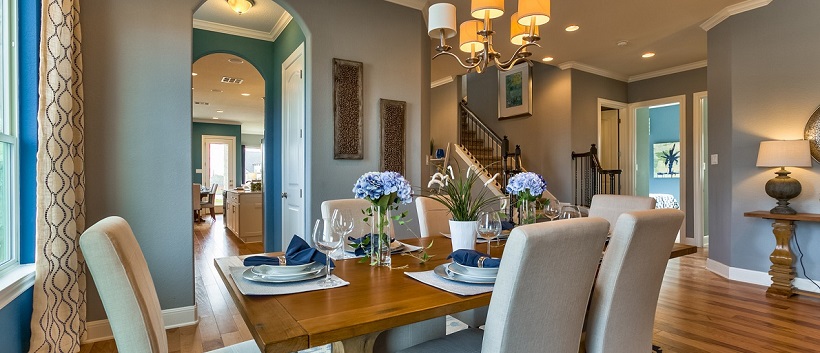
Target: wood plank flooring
<point x="698" y="311"/>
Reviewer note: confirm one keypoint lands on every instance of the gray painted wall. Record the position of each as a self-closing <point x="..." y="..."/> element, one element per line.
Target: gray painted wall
<point x="763" y="78"/>
<point x="444" y="114"/>
<point x="545" y="137"/>
<point x="395" y="50"/>
<point x="586" y="89"/>
<point x="682" y="83"/>
<point x="252" y="140"/>
<point x="138" y="133"/>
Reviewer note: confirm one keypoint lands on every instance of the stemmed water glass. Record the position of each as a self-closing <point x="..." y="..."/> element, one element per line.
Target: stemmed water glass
<point x="342" y="222"/>
<point x="488" y="226"/>
<point x="326" y="242"/>
<point x="569" y="211"/>
<point x="551" y="211"/>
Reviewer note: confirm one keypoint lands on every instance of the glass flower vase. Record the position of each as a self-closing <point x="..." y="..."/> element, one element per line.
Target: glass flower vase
<point x="380" y="237"/>
<point x="526" y="211"/>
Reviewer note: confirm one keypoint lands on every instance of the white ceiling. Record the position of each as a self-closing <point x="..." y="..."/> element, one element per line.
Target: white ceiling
<point x="248" y="111"/>
<point x="669" y="28"/>
<point x="265" y="20"/>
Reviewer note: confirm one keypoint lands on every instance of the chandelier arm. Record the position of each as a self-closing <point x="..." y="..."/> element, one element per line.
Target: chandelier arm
<point x="515" y="58"/>
<point x="468" y="67"/>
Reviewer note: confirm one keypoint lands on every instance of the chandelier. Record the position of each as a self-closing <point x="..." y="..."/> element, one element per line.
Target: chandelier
<point x="476" y="35"/>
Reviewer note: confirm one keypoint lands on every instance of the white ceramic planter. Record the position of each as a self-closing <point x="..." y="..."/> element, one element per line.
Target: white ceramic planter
<point x="462" y="234"/>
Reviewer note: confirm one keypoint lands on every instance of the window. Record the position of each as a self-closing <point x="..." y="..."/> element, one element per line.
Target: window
<point x="9" y="199"/>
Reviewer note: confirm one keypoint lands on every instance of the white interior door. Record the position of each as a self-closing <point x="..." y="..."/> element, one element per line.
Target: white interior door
<point x="219" y="164"/>
<point x="293" y="147"/>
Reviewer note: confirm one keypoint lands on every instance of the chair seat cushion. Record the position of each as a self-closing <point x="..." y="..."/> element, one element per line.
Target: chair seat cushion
<point x="464" y="341"/>
<point x="242" y="347"/>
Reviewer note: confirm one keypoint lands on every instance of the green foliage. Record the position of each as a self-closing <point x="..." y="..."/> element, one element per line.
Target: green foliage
<point x="457" y="194"/>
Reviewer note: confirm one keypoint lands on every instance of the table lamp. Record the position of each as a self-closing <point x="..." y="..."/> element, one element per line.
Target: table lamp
<point x="783" y="154"/>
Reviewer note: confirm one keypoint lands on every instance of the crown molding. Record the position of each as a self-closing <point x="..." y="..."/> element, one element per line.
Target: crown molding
<point x="593" y="70"/>
<point x="731" y="10"/>
<point x="216" y="121"/>
<point x="271" y="36"/>
<point x="668" y="71"/>
<point x="413" y="4"/>
<point x="441" y="81"/>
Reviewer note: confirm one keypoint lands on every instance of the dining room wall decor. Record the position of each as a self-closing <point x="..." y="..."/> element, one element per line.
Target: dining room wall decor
<point x="393" y="139"/>
<point x="348" y="133"/>
<point x="515" y="92"/>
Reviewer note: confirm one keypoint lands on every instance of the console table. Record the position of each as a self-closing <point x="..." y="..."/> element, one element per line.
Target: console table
<point x="782" y="270"/>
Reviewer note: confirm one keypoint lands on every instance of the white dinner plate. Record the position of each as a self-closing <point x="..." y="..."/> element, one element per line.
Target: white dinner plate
<point x="275" y="270"/>
<point x="475" y="271"/>
<point x="455" y="268"/>
<point x="441" y="271"/>
<point x="249" y="275"/>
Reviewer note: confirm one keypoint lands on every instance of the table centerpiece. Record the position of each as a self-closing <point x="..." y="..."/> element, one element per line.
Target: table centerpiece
<point x="527" y="187"/>
<point x="385" y="191"/>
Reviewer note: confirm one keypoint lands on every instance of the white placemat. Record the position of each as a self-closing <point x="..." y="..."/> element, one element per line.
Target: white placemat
<point x="341" y="254"/>
<point x="248" y="287"/>
<point x="432" y="279"/>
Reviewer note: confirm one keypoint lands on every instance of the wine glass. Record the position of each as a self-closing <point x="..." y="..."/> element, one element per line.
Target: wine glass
<point x="488" y="226"/>
<point x="551" y="211"/>
<point x="570" y="211"/>
<point x="342" y="222"/>
<point x="326" y="242"/>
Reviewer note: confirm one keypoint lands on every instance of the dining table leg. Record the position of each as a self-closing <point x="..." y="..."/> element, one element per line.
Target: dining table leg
<point x="358" y="344"/>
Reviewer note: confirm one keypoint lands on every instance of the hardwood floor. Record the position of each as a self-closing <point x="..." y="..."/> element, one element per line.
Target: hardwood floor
<point x="698" y="311"/>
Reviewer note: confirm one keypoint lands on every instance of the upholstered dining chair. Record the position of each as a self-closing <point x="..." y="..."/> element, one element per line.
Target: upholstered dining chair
<point x="211" y="203"/>
<point x="433" y="217"/>
<point x="609" y="207"/>
<point x="625" y="295"/>
<point x="196" y="193"/>
<point x="541" y="294"/>
<point x="127" y="291"/>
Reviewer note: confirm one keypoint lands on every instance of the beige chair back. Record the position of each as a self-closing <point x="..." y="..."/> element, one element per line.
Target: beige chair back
<point x="609" y="207"/>
<point x="125" y="286"/>
<point x="622" y="310"/>
<point x="543" y="286"/>
<point x="355" y="206"/>
<point x="434" y="218"/>
<point x="197" y="193"/>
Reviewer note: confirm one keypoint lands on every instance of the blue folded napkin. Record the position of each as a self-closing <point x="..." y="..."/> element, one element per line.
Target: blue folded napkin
<point x="471" y="258"/>
<point x="298" y="253"/>
<point x="507" y="225"/>
<point x="356" y="242"/>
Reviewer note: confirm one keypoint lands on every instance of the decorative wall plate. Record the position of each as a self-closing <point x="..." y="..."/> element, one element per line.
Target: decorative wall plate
<point x="812" y="133"/>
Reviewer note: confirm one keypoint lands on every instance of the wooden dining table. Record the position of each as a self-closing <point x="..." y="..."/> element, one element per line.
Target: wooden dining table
<point x="352" y="316"/>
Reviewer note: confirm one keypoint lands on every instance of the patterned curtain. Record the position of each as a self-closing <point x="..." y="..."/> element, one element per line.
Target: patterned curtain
<point x="58" y="321"/>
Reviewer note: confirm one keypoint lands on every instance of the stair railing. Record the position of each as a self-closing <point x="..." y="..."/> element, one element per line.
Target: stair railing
<point x="482" y="142"/>
<point x="591" y="179"/>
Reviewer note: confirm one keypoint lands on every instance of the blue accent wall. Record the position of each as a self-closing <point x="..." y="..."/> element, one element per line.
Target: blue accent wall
<point x="664" y="126"/>
<point x="267" y="57"/>
<point x="199" y="129"/>
<point x="15" y="323"/>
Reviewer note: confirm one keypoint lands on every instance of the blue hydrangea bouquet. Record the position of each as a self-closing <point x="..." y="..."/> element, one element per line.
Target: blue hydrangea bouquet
<point x="385" y="191"/>
<point x="527" y="187"/>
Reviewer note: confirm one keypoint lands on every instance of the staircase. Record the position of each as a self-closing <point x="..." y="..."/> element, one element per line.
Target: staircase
<point x="591" y="178"/>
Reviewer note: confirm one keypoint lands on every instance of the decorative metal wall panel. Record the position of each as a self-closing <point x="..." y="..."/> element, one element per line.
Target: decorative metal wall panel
<point x="392" y="134"/>
<point x="348" y="134"/>
<point x="812" y="133"/>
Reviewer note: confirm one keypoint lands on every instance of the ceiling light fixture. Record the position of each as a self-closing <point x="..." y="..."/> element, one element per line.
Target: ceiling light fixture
<point x="622" y="43"/>
<point x="194" y="74"/>
<point x="246" y="94"/>
<point x="648" y="55"/>
<point x="215" y="118"/>
<point x="220" y="111"/>
<point x="476" y="35"/>
<point x="548" y="58"/>
<point x="240" y="6"/>
<point x="572" y="28"/>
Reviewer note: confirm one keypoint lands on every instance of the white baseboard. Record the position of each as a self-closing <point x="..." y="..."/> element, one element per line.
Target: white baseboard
<point x="754" y="277"/>
<point x="100" y="330"/>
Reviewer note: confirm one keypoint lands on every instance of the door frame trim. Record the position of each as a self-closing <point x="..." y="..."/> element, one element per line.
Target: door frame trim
<point x="699" y="166"/>
<point x="622" y="115"/>
<point x="231" y="168"/>
<point x="681" y="100"/>
<point x="297" y="54"/>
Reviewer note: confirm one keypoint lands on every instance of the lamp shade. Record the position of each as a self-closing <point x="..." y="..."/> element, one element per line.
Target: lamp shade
<point x="240" y="6"/>
<point x="493" y="8"/>
<point x="784" y="154"/>
<point x="469" y="40"/>
<point x="519" y="31"/>
<point x="441" y="16"/>
<point x="533" y="9"/>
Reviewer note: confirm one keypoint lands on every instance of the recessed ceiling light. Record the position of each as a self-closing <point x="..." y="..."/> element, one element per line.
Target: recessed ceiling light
<point x="648" y="55"/>
<point x="548" y="58"/>
<point x="216" y="90"/>
<point x="192" y="88"/>
<point x="215" y="118"/>
<point x="572" y="28"/>
<point x="623" y="43"/>
<point x="236" y="61"/>
<point x="246" y="94"/>
<point x="220" y="111"/>
<point x="194" y="74"/>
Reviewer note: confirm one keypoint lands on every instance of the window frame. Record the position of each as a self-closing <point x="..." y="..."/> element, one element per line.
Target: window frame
<point x="9" y="133"/>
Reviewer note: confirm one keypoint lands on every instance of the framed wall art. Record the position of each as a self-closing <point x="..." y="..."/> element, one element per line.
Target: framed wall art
<point x="515" y="92"/>
<point x="348" y="134"/>
<point x="392" y="117"/>
<point x="666" y="160"/>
